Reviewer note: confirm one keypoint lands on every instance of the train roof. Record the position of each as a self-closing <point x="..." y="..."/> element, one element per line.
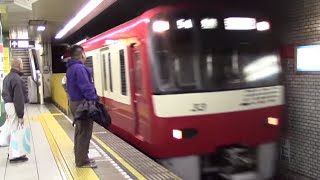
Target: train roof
<point x="98" y="41"/>
<point x="120" y="31"/>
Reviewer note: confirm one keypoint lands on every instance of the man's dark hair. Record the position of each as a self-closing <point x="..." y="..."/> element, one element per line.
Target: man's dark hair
<point x="76" y="51"/>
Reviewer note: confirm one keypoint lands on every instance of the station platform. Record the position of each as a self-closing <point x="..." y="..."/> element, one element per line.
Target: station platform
<point x="52" y="155"/>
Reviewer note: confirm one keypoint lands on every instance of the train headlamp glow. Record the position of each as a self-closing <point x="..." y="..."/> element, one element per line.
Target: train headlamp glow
<point x="263" y="26"/>
<point x="177" y="134"/>
<point x="184" y="24"/>
<point x="160" y="26"/>
<point x="209" y="23"/>
<point x="273" y="121"/>
<point x="240" y="23"/>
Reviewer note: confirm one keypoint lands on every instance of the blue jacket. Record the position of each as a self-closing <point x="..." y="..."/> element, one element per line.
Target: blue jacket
<point x="79" y="82"/>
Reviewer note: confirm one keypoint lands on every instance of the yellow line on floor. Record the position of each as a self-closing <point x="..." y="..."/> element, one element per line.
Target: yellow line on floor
<point x="62" y="166"/>
<point x="64" y="149"/>
<point x="115" y="155"/>
<point x="56" y="114"/>
<point x="121" y="160"/>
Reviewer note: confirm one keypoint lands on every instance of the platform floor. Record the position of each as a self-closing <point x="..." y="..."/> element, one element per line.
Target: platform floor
<point x="52" y="155"/>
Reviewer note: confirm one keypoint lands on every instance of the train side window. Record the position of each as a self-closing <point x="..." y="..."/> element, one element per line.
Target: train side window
<point x="89" y="62"/>
<point x="123" y="73"/>
<point x="89" y="65"/>
<point x="138" y="75"/>
<point x="110" y="72"/>
<point x="104" y="72"/>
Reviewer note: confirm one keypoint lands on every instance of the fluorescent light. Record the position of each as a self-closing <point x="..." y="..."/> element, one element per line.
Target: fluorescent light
<point x="184" y="24"/>
<point x="41" y="28"/>
<point x="209" y="23"/>
<point x="160" y="26"/>
<point x="82" y="41"/>
<point x="89" y="7"/>
<point x="240" y="23"/>
<point x="263" y="26"/>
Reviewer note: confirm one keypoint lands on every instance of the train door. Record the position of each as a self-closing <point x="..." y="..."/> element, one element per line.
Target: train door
<point x="138" y="94"/>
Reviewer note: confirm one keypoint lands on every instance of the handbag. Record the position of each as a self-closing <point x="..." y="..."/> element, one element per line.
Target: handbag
<point x="20" y="142"/>
<point x="5" y="134"/>
<point x="102" y="116"/>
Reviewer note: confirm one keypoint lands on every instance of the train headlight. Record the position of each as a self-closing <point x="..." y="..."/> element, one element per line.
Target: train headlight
<point x="177" y="134"/>
<point x="273" y="121"/>
<point x="184" y="133"/>
<point x="263" y="26"/>
<point x="160" y="26"/>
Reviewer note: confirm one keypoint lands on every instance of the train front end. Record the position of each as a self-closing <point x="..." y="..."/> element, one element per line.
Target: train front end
<point x="217" y="96"/>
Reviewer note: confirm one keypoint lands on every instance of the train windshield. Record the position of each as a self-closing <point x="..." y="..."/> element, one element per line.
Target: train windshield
<point x="189" y="57"/>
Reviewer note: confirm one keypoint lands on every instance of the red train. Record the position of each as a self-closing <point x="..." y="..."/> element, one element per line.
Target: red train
<point x="184" y="85"/>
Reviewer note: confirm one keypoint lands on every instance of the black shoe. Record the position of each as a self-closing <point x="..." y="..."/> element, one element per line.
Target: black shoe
<point x="19" y="159"/>
<point x="88" y="165"/>
<point x="91" y="160"/>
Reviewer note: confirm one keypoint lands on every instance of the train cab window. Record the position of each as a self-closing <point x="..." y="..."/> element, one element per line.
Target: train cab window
<point x="163" y="65"/>
<point x="104" y="72"/>
<point x="192" y="59"/>
<point x="185" y="71"/>
<point x="110" y="72"/>
<point x="123" y="73"/>
<point x="165" y="69"/>
<point x="138" y="73"/>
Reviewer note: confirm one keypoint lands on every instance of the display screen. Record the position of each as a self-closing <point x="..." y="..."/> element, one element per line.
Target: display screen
<point x="308" y="58"/>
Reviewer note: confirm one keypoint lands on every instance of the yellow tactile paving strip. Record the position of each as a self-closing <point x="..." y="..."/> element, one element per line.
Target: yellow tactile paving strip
<point x="138" y="175"/>
<point x="62" y="149"/>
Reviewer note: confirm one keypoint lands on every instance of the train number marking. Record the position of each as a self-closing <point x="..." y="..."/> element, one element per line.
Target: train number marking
<point x="199" y="107"/>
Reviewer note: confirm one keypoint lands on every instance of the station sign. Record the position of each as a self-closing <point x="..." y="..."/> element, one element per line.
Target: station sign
<point x="22" y="44"/>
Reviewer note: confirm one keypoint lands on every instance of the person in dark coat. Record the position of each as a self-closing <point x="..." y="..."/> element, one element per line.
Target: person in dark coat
<point x="15" y="96"/>
<point x="80" y="87"/>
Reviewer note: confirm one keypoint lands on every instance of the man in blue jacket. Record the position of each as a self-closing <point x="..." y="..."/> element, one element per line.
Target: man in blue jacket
<point x="80" y="87"/>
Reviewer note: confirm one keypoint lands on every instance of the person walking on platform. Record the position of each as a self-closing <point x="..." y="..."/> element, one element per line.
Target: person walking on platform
<point x="15" y="96"/>
<point x="80" y="87"/>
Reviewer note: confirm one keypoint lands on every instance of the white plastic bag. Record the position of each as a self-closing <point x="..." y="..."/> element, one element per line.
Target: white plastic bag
<point x="20" y="143"/>
<point x="5" y="134"/>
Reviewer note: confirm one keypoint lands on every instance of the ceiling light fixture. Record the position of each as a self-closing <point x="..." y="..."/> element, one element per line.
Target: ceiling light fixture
<point x="89" y="7"/>
<point x="81" y="42"/>
<point x="41" y="28"/>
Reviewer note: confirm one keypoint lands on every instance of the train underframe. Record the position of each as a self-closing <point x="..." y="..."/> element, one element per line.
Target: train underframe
<point x="229" y="163"/>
